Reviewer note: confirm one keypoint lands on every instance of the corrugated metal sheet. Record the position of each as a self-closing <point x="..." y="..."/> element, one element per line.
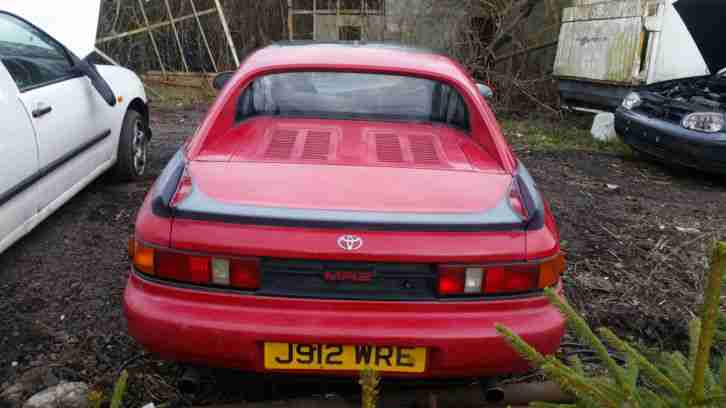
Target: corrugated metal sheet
<point x="601" y="42"/>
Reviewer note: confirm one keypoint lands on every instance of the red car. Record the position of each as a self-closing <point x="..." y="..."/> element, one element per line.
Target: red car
<point x="345" y="206"/>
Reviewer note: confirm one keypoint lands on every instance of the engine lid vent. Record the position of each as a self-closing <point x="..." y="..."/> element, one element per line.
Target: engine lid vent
<point x="388" y="148"/>
<point x="423" y="149"/>
<point x="317" y="146"/>
<point x="281" y="145"/>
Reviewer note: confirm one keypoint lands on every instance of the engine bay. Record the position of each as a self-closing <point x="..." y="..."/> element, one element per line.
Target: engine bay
<point x="696" y="94"/>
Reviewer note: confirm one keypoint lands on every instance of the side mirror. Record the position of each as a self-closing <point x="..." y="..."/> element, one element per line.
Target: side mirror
<point x="102" y="87"/>
<point x="485" y="91"/>
<point x="221" y="80"/>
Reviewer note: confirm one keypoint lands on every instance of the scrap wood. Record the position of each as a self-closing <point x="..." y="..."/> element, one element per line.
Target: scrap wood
<point x="184" y="79"/>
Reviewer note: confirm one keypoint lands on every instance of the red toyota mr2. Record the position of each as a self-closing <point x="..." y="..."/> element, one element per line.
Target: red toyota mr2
<point x="346" y="206"/>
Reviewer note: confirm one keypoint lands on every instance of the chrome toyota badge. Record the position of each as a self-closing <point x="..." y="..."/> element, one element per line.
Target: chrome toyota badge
<point x="350" y="242"/>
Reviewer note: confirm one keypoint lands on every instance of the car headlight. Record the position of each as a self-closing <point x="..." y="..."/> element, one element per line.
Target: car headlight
<point x="709" y="122"/>
<point x="632" y="100"/>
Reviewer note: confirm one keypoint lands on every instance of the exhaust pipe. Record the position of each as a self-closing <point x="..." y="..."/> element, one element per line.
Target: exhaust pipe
<point x="494" y="395"/>
<point x="190" y="381"/>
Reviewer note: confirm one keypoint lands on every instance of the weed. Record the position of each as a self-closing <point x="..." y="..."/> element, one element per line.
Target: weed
<point x="547" y="134"/>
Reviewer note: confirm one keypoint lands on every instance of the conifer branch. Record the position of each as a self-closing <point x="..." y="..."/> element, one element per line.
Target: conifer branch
<point x="711" y="310"/>
<point x="583" y="331"/>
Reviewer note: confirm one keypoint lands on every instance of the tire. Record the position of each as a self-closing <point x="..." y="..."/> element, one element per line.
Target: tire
<point x="131" y="163"/>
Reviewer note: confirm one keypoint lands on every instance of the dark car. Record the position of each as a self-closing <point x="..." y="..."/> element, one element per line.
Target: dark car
<point x="683" y="121"/>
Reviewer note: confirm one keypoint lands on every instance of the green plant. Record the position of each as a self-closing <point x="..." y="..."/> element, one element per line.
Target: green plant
<point x="96" y="398"/>
<point x="674" y="380"/>
<point x="369" y="382"/>
<point x="119" y="390"/>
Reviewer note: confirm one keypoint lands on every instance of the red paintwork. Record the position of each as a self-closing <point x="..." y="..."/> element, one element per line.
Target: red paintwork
<point x="229" y="330"/>
<point x="154" y="230"/>
<point x="331" y="187"/>
<point x="544" y="242"/>
<point x="378" y="185"/>
<point x="381" y="246"/>
<point x="472" y="172"/>
<point x="353" y="143"/>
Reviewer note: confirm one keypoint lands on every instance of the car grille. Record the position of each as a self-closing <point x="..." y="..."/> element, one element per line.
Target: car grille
<point x="347" y="280"/>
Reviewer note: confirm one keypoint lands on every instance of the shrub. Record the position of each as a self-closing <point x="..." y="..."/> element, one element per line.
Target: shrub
<point x="674" y="380"/>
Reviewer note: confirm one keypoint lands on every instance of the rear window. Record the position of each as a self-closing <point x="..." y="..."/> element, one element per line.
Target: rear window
<point x="358" y="96"/>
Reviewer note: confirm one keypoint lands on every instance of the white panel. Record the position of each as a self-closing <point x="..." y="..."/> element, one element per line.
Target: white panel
<point x="604" y="10"/>
<point x="602" y="50"/>
<point x="588" y="2"/>
<point x="18" y="154"/>
<point x="18" y="150"/>
<point x="677" y="54"/>
<point x="72" y="22"/>
<point x="28" y="200"/>
<point x="78" y="116"/>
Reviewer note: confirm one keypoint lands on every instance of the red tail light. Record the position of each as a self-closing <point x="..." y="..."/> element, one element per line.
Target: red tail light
<point x="245" y="274"/>
<point x="456" y="280"/>
<point x="197" y="269"/>
<point x="451" y="280"/>
<point x="512" y="279"/>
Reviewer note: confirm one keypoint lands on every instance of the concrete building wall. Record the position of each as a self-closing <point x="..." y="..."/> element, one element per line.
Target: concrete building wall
<point x="426" y="23"/>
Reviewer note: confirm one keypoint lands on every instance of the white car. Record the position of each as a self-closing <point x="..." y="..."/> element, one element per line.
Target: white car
<point x="63" y="121"/>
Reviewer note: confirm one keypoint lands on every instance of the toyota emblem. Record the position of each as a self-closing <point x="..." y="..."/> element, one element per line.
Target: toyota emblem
<point x="350" y="242"/>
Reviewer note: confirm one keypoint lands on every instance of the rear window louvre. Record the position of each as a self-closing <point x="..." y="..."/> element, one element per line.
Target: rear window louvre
<point x="281" y="145"/>
<point x="423" y="149"/>
<point x="317" y="146"/>
<point x="388" y="148"/>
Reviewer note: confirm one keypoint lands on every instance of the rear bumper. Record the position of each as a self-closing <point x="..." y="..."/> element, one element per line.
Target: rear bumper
<point x="671" y="142"/>
<point x="229" y="329"/>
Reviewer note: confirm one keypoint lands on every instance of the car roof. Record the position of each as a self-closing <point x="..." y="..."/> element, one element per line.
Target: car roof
<point x="390" y="57"/>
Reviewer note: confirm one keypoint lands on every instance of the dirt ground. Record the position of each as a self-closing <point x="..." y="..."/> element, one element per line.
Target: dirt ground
<point x="636" y="235"/>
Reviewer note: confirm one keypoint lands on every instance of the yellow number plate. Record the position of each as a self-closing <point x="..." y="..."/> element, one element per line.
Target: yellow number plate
<point x="284" y="356"/>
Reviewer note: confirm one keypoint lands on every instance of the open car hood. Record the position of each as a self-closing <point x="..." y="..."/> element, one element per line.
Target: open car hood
<point x="73" y="25"/>
<point x="704" y="20"/>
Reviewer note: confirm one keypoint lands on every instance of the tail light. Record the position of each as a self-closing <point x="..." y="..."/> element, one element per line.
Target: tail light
<point x="241" y="273"/>
<point x="458" y="280"/>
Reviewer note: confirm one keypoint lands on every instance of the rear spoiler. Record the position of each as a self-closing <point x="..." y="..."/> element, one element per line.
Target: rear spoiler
<point x="533" y="200"/>
<point x="198" y="206"/>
